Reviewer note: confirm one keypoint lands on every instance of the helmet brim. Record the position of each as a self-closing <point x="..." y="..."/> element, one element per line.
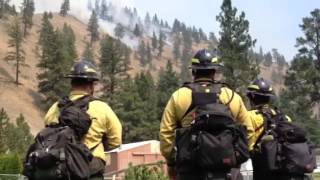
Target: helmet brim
<point x="260" y="94"/>
<point x="91" y="78"/>
<point x="196" y="67"/>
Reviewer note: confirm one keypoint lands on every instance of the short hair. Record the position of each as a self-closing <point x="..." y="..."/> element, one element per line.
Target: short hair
<point x="81" y="82"/>
<point x="259" y="99"/>
<point x="203" y="72"/>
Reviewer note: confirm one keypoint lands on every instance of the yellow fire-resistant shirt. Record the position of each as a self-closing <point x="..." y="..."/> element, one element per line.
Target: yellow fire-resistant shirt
<point x="104" y="122"/>
<point x="177" y="106"/>
<point x="257" y="120"/>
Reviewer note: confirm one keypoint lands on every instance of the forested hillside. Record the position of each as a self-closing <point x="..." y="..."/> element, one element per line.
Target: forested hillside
<point x="141" y="62"/>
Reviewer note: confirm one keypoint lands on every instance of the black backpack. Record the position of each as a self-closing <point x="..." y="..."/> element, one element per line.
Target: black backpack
<point x="283" y="147"/>
<point x="214" y="141"/>
<point x="58" y="152"/>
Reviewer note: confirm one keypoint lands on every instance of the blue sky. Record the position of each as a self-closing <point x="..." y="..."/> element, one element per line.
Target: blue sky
<point x="274" y="23"/>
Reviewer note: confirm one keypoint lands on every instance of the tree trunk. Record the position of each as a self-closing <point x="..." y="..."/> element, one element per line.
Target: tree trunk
<point x="17" y="66"/>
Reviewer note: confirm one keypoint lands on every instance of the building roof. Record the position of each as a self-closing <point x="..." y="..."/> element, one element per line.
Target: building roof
<point x="154" y="144"/>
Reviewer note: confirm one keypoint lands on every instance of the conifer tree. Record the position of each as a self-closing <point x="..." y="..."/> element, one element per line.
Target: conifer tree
<point x="88" y="53"/>
<point x="147" y="21"/>
<point x="27" y="10"/>
<point x="15" y="42"/>
<point x="213" y="42"/>
<point x="19" y="137"/>
<point x="148" y="53"/>
<point x="154" y="41"/>
<point x="195" y="35"/>
<point x="168" y="82"/>
<point x="202" y="35"/>
<point x="119" y="31"/>
<point x="155" y="20"/>
<point x="176" y="47"/>
<point x="142" y="53"/>
<point x="267" y="59"/>
<point x="176" y="27"/>
<point x="69" y="39"/>
<point x="104" y="10"/>
<point x="186" y="55"/>
<point x="113" y="66"/>
<point x="65" y="7"/>
<point x="235" y="43"/>
<point x="138" y="108"/>
<point x="56" y="55"/>
<point x="4" y="121"/>
<point x="93" y="27"/>
<point x="302" y="80"/>
<point x="6" y="9"/>
<point x="137" y="31"/>
<point x="161" y="43"/>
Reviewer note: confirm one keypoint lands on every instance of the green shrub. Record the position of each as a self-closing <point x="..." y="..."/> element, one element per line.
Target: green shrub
<point x="145" y="172"/>
<point x="10" y="164"/>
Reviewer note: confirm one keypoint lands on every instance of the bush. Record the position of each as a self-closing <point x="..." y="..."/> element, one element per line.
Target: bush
<point x="10" y="164"/>
<point x="145" y="172"/>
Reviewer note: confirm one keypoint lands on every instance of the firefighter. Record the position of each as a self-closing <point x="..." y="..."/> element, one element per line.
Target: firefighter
<point x="105" y="124"/>
<point x="179" y="114"/>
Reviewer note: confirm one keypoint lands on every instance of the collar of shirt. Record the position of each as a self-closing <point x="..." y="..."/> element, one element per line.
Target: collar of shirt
<point x="75" y="94"/>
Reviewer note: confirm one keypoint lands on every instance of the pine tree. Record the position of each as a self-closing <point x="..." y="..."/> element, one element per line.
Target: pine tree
<point x="267" y="59"/>
<point x="166" y="25"/>
<point x="202" y="35"/>
<point x="138" y="108"/>
<point x="147" y="21"/>
<point x="97" y="6"/>
<point x="176" y="27"/>
<point x="213" y="42"/>
<point x="69" y="39"/>
<point x="161" y="43"/>
<point x="167" y="84"/>
<point x="195" y="35"/>
<point x="155" y="20"/>
<point x="93" y="27"/>
<point x="56" y="53"/>
<point x="261" y="55"/>
<point x="27" y="10"/>
<point x="148" y="53"/>
<point x="89" y="5"/>
<point x="113" y="66"/>
<point x="176" y="47"/>
<point x="4" y="121"/>
<point x="302" y="80"/>
<point x="19" y="137"/>
<point x="104" y="10"/>
<point x="154" y="41"/>
<point x="119" y="31"/>
<point x="186" y="54"/>
<point x="88" y="53"/>
<point x="15" y="42"/>
<point x="137" y="31"/>
<point x="142" y="53"/>
<point x="235" y="43"/>
<point x="6" y="9"/>
<point x="65" y="7"/>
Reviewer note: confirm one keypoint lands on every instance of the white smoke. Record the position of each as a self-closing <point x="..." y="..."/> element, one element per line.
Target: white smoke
<point x="80" y="10"/>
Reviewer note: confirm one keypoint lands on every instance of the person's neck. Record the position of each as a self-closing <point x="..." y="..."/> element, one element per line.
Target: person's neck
<point x="81" y="90"/>
<point x="203" y="79"/>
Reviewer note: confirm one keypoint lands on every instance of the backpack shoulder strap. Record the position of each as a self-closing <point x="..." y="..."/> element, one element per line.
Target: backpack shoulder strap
<point x="82" y="102"/>
<point x="268" y="116"/>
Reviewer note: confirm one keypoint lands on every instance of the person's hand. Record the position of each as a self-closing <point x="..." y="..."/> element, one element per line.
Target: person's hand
<point x="172" y="172"/>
